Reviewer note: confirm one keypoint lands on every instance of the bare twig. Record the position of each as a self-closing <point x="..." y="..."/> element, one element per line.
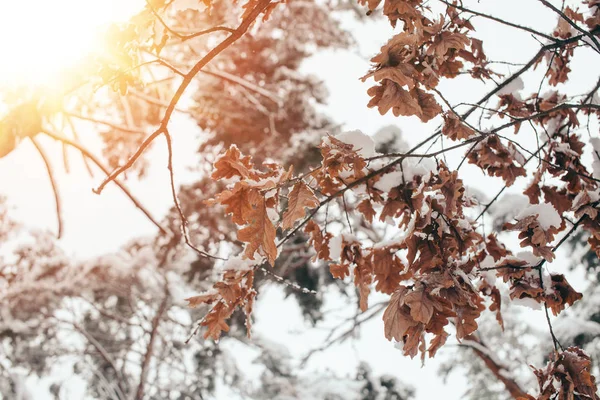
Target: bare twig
<point x="150" y="348"/>
<point x="53" y="183"/>
<point x="184" y="221"/>
<point x="123" y="188"/>
<point x="235" y="35"/>
<point x="499" y="20"/>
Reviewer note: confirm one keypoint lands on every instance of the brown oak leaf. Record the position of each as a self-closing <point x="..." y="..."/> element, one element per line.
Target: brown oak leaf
<point x="299" y="198"/>
<point x="231" y="164"/>
<point x="260" y="232"/>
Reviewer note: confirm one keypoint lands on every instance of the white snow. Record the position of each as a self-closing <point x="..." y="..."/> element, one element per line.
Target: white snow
<point x="512" y="88"/>
<point x="391" y="137"/>
<point x="361" y="143"/>
<point x="527" y="302"/>
<point x="335" y="247"/>
<point x="237" y="263"/>
<point x="596" y="163"/>
<point x="389" y="181"/>
<point x="547" y="215"/>
<point x="528" y="257"/>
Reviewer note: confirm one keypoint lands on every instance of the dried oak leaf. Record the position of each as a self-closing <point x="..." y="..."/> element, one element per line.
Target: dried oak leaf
<point x="388" y="270"/>
<point x="236" y="202"/>
<point x="455" y="129"/>
<point x="204" y="298"/>
<point x="396" y="318"/>
<point x="231" y="164"/>
<point x="497" y="159"/>
<point x="260" y="232"/>
<point x="562" y="294"/>
<point x="533" y="234"/>
<point x="494" y="248"/>
<point x="339" y="271"/>
<point x="421" y="305"/>
<point x="339" y="156"/>
<point x="447" y="41"/>
<point x="388" y="95"/>
<point x="230" y="292"/>
<point x="318" y="241"/>
<point x="363" y="277"/>
<point x="567" y="376"/>
<point x="366" y="209"/>
<point x="215" y="321"/>
<point x="299" y="198"/>
<point x="559" y="198"/>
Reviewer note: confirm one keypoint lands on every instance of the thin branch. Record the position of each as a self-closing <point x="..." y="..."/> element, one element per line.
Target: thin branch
<point x="53" y="183"/>
<point x="123" y="188"/>
<point x="101" y="122"/>
<point x="237" y="34"/>
<point x="499" y="20"/>
<point x="182" y="36"/>
<point x="183" y="219"/>
<point x="573" y="24"/>
<point x="499" y="370"/>
<point x="245" y="83"/>
<point x="150" y="348"/>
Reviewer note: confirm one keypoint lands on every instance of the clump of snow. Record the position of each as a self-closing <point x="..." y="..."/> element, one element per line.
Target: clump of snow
<point x="490" y="275"/>
<point x="336" y="244"/>
<point x="335" y="247"/>
<point x="389" y="139"/>
<point x="566" y="149"/>
<point x="527" y="302"/>
<point x="547" y="215"/>
<point x="596" y="156"/>
<point x="388" y="181"/>
<point x="512" y="88"/>
<point x="361" y="143"/>
<point x="417" y="167"/>
<point x="567" y="327"/>
<point x="528" y="257"/>
<point x="237" y="263"/>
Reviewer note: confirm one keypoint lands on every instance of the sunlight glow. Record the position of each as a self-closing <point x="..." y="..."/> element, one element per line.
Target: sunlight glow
<point x="39" y="39"/>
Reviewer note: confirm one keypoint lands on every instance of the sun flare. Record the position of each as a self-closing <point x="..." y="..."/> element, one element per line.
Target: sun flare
<point x="40" y="38"/>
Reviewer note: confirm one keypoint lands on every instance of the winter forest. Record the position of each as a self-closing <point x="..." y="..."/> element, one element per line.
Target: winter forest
<point x="300" y="199"/>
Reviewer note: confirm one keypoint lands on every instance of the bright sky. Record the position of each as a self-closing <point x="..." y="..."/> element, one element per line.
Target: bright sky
<point x="39" y="37"/>
<point x="96" y="224"/>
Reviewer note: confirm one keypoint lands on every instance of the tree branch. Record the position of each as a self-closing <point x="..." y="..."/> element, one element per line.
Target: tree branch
<point x="53" y="183"/>
<point x="150" y="348"/>
<point x="123" y="188"/>
<point x="237" y="34"/>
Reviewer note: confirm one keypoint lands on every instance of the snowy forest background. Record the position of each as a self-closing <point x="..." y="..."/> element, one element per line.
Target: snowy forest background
<point x="79" y="313"/>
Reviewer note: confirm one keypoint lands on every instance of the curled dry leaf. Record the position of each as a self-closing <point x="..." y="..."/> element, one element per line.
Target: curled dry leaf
<point x="300" y="197"/>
